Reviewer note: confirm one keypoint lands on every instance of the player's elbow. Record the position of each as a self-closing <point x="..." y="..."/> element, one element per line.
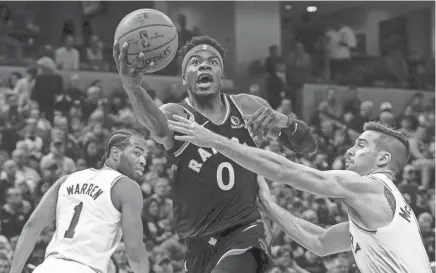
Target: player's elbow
<point x="32" y="226"/>
<point x="319" y="247"/>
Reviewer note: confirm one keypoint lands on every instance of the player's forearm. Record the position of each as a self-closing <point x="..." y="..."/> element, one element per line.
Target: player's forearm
<point x="138" y="259"/>
<point x="298" y="137"/>
<point x="146" y="111"/>
<point x="25" y="245"/>
<point x="277" y="168"/>
<point x="301" y="231"/>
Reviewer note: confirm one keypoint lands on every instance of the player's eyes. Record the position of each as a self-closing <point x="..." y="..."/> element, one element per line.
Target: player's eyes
<point x="195" y="62"/>
<point x="214" y="62"/>
<point x="137" y="153"/>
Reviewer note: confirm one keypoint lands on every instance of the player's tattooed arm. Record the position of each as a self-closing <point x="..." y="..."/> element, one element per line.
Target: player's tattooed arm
<point x="390" y="198"/>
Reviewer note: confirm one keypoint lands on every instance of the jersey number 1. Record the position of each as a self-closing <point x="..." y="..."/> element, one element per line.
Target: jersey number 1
<point x="69" y="233"/>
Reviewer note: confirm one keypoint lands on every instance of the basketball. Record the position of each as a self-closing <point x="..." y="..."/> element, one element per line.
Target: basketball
<point x="151" y="32"/>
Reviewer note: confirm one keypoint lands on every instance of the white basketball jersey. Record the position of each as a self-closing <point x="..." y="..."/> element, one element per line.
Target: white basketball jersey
<point x="88" y="226"/>
<point x="395" y="248"/>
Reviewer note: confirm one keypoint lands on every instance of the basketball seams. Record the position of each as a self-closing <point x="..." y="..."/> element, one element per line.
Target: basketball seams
<point x="160" y="46"/>
<point x="146" y="26"/>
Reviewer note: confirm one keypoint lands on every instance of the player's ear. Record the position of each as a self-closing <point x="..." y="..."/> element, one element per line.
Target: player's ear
<point x="183" y="80"/>
<point x="115" y="153"/>
<point x="384" y="158"/>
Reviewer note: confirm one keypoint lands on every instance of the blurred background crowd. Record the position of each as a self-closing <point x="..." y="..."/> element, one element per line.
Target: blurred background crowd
<point x="59" y="100"/>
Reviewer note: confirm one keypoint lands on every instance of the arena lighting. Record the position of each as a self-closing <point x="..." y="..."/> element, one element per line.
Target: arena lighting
<point x="311" y="9"/>
<point x="288" y="7"/>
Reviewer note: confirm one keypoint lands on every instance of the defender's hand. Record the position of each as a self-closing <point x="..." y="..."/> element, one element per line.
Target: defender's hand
<point x="130" y="74"/>
<point x="264" y="119"/>
<point x="193" y="132"/>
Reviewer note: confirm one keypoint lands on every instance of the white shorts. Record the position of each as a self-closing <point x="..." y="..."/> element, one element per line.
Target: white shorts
<point x="53" y="265"/>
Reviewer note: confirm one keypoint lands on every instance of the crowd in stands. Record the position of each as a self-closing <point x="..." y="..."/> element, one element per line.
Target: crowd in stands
<point x="39" y="144"/>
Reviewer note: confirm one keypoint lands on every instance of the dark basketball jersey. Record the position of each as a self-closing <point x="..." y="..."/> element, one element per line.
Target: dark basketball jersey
<point x="211" y="193"/>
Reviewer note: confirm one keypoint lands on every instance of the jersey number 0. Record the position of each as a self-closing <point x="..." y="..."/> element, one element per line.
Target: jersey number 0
<point x="219" y="176"/>
<point x="69" y="233"/>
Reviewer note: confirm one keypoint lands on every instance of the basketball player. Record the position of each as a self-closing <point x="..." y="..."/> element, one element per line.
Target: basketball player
<point x="214" y="199"/>
<point x="382" y="231"/>
<point x="92" y="209"/>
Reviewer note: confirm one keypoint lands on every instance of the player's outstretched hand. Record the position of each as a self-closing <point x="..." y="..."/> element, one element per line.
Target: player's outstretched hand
<point x="129" y="73"/>
<point x="264" y="195"/>
<point x="264" y="119"/>
<point x="192" y="131"/>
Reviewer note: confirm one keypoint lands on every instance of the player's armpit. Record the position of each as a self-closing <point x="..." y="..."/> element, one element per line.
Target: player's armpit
<point x="127" y="197"/>
<point x="169" y="110"/>
<point x="336" y="239"/>
<point x="170" y="144"/>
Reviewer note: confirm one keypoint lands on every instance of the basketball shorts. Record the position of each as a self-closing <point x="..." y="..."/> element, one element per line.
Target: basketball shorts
<point x="204" y="253"/>
<point x="54" y="265"/>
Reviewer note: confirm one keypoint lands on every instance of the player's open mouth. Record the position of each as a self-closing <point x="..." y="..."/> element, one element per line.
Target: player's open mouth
<point x="204" y="80"/>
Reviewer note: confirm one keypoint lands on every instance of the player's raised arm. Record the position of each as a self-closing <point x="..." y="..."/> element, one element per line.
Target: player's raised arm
<point x="315" y="238"/>
<point x="127" y="197"/>
<point x="292" y="133"/>
<point x="146" y="111"/>
<point x="42" y="216"/>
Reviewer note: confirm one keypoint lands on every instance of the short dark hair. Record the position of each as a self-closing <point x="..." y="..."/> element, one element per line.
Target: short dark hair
<point x="200" y="40"/>
<point x="119" y="139"/>
<point x="392" y="141"/>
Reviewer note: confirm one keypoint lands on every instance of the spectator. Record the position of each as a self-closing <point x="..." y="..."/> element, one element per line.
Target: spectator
<point x="31" y="139"/>
<point x="397" y="70"/>
<point x="408" y="125"/>
<point x="74" y="91"/>
<point x="421" y="157"/>
<point x="331" y="105"/>
<point x="67" y="57"/>
<point x="299" y="61"/>
<point x="14" y="213"/>
<point x="93" y="152"/>
<point x="277" y="87"/>
<point x="185" y="34"/>
<point x="364" y="116"/>
<point x="121" y="259"/>
<point x="409" y="183"/>
<point x="418" y="73"/>
<point x="24" y="88"/>
<point x="5" y="263"/>
<point x="7" y="179"/>
<point x="154" y="230"/>
<point x="48" y="84"/>
<point x="416" y="107"/>
<point x="94" y="54"/>
<point x="24" y="172"/>
<point x="386" y="116"/>
<point x="272" y="60"/>
<point x="352" y="103"/>
<point x="341" y="40"/>
<point x="56" y="155"/>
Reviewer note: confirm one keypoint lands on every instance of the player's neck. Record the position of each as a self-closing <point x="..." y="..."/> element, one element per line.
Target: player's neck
<point x="109" y="165"/>
<point x="212" y="108"/>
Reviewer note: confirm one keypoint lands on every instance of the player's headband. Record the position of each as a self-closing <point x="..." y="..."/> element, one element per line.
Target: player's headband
<point x="197" y="49"/>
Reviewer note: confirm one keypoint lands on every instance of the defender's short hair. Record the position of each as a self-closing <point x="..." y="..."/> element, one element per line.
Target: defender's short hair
<point x="200" y="40"/>
<point x="392" y="141"/>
